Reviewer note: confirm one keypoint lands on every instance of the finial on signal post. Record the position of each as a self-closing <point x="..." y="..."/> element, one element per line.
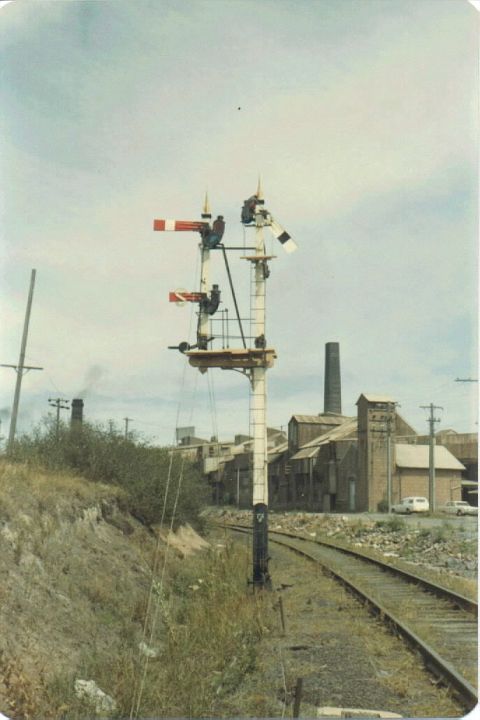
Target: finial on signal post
<point x="260" y="197"/>
<point x="206" y="212"/>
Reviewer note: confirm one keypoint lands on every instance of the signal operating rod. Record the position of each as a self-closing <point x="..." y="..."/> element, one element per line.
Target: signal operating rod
<point x="203" y="316"/>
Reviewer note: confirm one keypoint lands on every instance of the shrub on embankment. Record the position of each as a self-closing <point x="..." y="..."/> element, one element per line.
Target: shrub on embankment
<point x="152" y="478"/>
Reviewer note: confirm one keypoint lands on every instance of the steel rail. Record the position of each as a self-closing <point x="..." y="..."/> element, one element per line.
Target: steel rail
<point x="459" y="599"/>
<point x="433" y="660"/>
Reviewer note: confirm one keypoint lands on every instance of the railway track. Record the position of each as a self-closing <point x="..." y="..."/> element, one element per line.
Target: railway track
<point x="439" y="623"/>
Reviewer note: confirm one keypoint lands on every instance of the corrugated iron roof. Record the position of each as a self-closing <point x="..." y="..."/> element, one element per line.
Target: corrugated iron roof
<point x="276" y="452"/>
<point x="312" y="448"/>
<point x="376" y="398"/>
<point x="417" y="456"/>
<point x="279" y="448"/>
<point x="320" y="419"/>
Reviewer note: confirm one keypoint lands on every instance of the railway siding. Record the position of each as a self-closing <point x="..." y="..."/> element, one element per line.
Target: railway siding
<point x="446" y="547"/>
<point x="346" y="656"/>
<point x="441" y="624"/>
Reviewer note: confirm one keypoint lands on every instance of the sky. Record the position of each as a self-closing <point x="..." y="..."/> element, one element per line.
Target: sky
<point x="360" y="116"/>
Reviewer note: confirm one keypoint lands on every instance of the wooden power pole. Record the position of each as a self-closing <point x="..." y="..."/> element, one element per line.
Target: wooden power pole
<point x="21" y="369"/>
<point x="431" y="463"/>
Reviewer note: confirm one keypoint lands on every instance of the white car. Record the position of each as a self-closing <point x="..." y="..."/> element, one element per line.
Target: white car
<point x="411" y="504"/>
<point x="459" y="507"/>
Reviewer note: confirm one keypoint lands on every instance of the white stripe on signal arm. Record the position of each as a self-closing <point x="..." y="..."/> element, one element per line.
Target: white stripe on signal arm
<point x="170" y="224"/>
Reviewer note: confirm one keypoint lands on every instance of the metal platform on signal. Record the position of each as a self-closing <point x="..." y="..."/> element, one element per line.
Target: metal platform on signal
<point x="232" y="359"/>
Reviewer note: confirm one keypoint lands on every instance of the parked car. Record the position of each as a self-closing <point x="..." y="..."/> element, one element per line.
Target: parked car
<point x="411" y="504"/>
<point x="459" y="507"/>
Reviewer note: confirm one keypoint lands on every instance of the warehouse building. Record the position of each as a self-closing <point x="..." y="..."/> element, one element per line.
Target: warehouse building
<point x="344" y="468"/>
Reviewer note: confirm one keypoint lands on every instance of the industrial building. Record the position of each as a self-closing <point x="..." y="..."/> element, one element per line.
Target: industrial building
<point x="343" y="467"/>
<point x="333" y="463"/>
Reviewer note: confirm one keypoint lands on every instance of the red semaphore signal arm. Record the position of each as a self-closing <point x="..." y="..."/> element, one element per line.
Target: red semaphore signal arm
<point x="180" y="225"/>
<point x="180" y="296"/>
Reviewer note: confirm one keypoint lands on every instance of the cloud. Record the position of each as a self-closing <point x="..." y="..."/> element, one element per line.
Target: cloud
<point x="361" y="118"/>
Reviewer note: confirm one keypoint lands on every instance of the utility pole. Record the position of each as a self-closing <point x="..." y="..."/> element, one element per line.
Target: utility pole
<point x="431" y="462"/>
<point x="21" y="369"/>
<point x="57" y="403"/>
<point x="127" y="420"/>
<point x="390" y="421"/>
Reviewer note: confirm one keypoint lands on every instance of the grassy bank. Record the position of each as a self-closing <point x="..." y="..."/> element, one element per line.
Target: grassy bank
<point x="87" y="594"/>
<point x="149" y="476"/>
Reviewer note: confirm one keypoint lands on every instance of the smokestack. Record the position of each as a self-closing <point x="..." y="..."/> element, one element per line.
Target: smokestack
<point x="333" y="389"/>
<point x="76" y="418"/>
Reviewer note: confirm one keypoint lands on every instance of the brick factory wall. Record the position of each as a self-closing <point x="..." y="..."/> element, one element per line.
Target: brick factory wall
<point x="413" y="481"/>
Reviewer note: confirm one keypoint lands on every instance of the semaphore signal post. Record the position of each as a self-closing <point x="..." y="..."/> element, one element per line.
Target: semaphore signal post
<point x="252" y="361"/>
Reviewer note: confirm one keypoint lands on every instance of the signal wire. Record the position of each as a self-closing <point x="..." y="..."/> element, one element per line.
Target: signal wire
<point x="156" y="587"/>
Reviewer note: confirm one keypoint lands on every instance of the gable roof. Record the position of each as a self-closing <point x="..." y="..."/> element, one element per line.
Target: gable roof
<point x="417" y="456"/>
<point x="340" y="432"/>
<point x="375" y="398"/>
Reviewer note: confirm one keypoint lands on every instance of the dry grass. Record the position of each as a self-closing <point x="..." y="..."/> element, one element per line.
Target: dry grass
<point x="76" y="588"/>
<point x="44" y="491"/>
<point x="27" y="698"/>
<point x="210" y="627"/>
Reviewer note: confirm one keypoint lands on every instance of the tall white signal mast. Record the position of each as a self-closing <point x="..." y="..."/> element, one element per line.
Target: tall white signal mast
<point x="253" y="361"/>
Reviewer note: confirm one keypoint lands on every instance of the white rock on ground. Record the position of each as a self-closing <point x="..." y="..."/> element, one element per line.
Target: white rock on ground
<point x="89" y="690"/>
<point x="148" y="651"/>
<point x="340" y="712"/>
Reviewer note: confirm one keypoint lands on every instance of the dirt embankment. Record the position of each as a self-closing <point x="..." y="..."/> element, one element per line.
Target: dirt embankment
<point x="73" y="569"/>
<point x="75" y="574"/>
<point x="101" y="616"/>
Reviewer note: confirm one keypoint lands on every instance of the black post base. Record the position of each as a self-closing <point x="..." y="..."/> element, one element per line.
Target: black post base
<point x="261" y="576"/>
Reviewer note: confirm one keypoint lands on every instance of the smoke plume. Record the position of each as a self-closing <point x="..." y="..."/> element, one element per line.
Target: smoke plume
<point x="92" y="377"/>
